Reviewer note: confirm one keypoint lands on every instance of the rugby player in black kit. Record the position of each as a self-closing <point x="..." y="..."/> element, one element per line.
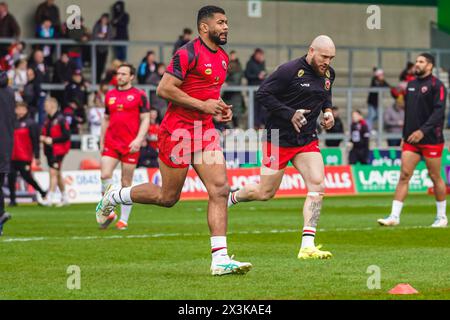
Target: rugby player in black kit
<point x="422" y="137"/>
<point x="295" y="95"/>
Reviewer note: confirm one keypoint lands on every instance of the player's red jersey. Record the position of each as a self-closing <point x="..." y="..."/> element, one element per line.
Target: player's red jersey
<point x="203" y="71"/>
<point x="124" y="108"/>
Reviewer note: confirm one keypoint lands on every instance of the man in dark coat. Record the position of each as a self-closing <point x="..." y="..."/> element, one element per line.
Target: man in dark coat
<point x="7" y="116"/>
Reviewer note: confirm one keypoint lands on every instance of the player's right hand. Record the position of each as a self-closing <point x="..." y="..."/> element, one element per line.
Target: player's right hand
<point x="299" y="120"/>
<point x="213" y="106"/>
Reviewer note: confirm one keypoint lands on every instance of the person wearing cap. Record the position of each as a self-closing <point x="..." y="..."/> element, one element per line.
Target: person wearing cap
<point x="378" y="81"/>
<point x="75" y="90"/>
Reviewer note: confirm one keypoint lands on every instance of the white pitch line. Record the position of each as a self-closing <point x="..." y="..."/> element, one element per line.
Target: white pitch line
<point x="168" y="235"/>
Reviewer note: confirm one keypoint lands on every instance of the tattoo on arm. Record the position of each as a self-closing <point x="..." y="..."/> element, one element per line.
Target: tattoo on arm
<point x="315" y="208"/>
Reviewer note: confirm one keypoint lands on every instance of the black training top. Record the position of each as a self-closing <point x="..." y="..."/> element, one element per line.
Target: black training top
<point x="425" y="109"/>
<point x="295" y="85"/>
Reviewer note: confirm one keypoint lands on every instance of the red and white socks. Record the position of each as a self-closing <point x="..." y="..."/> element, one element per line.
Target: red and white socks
<point x="219" y="248"/>
<point x="308" y="235"/>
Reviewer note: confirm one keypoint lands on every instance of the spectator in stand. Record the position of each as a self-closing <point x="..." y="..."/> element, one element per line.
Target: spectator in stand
<point x="255" y="72"/>
<point x="75" y="115"/>
<point x="48" y="10"/>
<point x="111" y="73"/>
<point x="235" y="98"/>
<point x="77" y="52"/>
<point x="31" y="93"/>
<point x="36" y="62"/>
<point x="42" y="76"/>
<point x="9" y="28"/>
<point x="182" y="39"/>
<point x="76" y="90"/>
<point x="15" y="53"/>
<point x="147" y="67"/>
<point x="156" y="102"/>
<point x="102" y="31"/>
<point x="63" y="70"/>
<point x="373" y="102"/>
<point x="62" y="74"/>
<point x="46" y="31"/>
<point x="120" y="22"/>
<point x="26" y="149"/>
<point x="359" y="137"/>
<point x="18" y="77"/>
<point x="393" y="120"/>
<point x="408" y="73"/>
<point x="337" y="128"/>
<point x="95" y="116"/>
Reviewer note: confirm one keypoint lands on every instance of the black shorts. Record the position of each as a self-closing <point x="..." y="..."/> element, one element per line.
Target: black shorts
<point x="54" y="162"/>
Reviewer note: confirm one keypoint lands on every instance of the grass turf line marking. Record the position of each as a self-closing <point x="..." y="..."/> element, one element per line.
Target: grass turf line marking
<point x="169" y="235"/>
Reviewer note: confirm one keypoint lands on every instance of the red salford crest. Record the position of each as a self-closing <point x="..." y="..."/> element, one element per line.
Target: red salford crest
<point x="327" y="84"/>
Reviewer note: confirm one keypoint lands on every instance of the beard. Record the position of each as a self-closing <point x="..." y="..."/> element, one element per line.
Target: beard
<point x="419" y="72"/>
<point x="316" y="68"/>
<point x="215" y="37"/>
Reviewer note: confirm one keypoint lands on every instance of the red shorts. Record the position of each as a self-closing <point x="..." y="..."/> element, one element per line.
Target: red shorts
<point x="277" y="158"/>
<point x="178" y="152"/>
<point x="426" y="150"/>
<point x="120" y="154"/>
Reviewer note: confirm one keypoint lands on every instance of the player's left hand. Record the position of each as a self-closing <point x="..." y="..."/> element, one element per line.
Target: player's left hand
<point x="415" y="137"/>
<point x="135" y="145"/>
<point x="328" y="120"/>
<point x="227" y="113"/>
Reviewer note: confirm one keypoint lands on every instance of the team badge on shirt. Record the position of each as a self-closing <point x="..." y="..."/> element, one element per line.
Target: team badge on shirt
<point x="112" y="100"/>
<point x="300" y="73"/>
<point x="424" y="89"/>
<point x="130" y="97"/>
<point x="224" y="64"/>
<point x="327" y="84"/>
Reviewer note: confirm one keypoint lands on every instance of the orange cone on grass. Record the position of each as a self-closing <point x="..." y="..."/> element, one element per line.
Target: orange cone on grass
<point x="403" y="288"/>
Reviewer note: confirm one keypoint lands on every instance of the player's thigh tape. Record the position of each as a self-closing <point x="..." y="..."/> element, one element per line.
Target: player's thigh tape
<point x="315" y="194"/>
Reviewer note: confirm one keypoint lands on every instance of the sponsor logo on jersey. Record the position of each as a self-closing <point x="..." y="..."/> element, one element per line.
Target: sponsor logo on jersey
<point x="327" y="84"/>
<point x="411" y="89"/>
<point x="424" y="89"/>
<point x="120" y="107"/>
<point x="216" y="79"/>
<point x="130" y="97"/>
<point x="305" y="84"/>
<point x="300" y="73"/>
<point x="208" y="71"/>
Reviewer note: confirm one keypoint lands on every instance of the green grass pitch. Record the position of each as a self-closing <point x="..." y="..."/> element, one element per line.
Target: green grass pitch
<point x="165" y="253"/>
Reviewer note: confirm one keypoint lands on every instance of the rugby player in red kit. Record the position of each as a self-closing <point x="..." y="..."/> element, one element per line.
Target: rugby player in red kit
<point x="187" y="136"/>
<point x="124" y="129"/>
